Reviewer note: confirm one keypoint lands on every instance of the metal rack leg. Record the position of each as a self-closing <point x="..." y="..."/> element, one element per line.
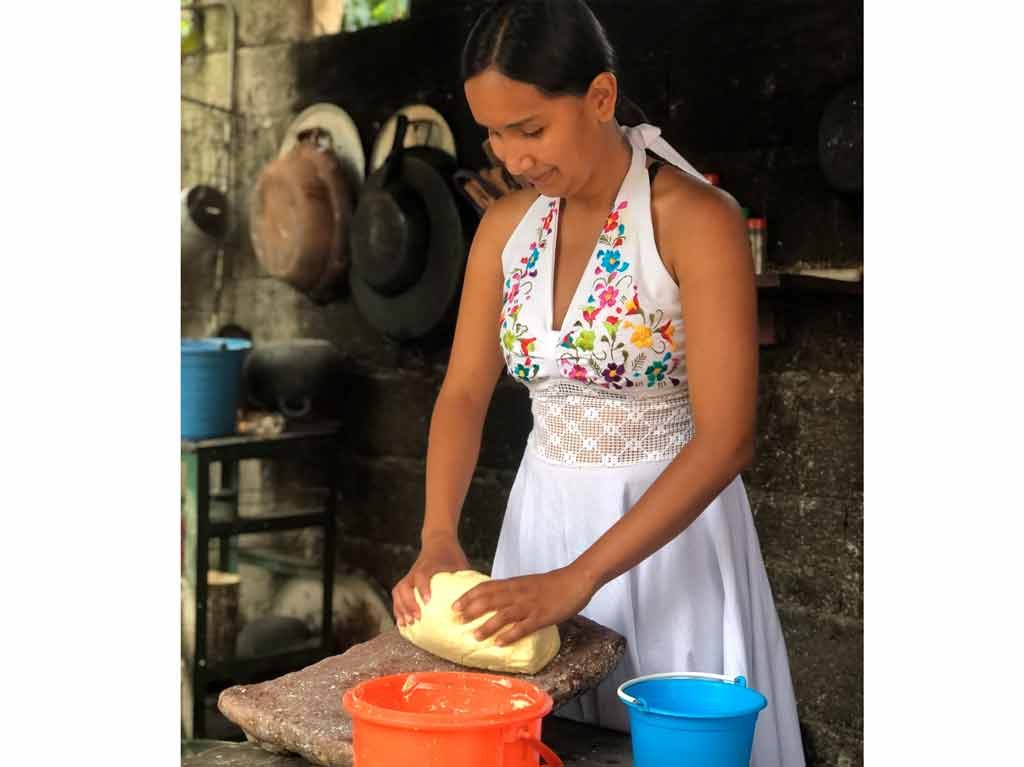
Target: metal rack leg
<point x="330" y="541"/>
<point x="202" y="568"/>
<point x="229" y="487"/>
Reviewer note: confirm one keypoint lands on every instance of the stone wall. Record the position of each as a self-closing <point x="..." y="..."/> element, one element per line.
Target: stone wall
<point x="739" y="89"/>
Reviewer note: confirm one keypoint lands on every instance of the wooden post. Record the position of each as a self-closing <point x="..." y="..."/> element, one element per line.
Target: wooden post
<point x="221" y="616"/>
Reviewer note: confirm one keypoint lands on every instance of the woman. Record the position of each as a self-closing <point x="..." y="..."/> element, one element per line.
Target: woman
<point x="627" y="507"/>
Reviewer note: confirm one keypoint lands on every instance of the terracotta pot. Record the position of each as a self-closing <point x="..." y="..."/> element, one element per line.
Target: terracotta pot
<point x="299" y="216"/>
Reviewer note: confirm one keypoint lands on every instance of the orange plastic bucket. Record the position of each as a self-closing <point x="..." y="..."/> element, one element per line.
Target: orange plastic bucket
<point x="448" y="719"/>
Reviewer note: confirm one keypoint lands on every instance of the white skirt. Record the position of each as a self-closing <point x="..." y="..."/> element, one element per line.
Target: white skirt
<point x="700" y="603"/>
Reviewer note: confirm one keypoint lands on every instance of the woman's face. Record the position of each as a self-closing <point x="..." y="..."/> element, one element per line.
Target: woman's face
<point x="550" y="140"/>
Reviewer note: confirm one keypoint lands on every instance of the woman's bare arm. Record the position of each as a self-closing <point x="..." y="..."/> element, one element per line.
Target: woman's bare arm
<point x="473" y="371"/>
<point x="458" y="416"/>
<point x="704" y="243"/>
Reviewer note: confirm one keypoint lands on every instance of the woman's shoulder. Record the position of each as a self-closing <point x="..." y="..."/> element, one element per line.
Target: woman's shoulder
<point x="690" y="211"/>
<point x="679" y="193"/>
<point x="503" y="215"/>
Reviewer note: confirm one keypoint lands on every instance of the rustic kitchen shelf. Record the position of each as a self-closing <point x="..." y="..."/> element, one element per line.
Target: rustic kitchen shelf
<point x="807" y="283"/>
<point x="278" y="562"/>
<point x="213" y="515"/>
<point x="773" y="285"/>
<point x="249" y="670"/>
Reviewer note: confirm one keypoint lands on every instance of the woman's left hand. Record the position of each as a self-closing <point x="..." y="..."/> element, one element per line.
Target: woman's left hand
<point x="529" y="603"/>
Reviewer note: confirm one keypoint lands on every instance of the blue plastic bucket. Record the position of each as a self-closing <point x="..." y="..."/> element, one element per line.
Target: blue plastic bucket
<point x="211" y="375"/>
<point x="691" y="719"/>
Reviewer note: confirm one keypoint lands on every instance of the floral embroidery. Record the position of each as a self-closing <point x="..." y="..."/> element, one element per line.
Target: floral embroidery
<point x="641" y="336"/>
<point x="657" y="370"/>
<point x="614" y="343"/>
<point x="608" y="296"/>
<point x="578" y="373"/>
<point x="595" y="349"/>
<point x="524" y="373"/>
<point x="611" y="260"/>
<point x="614" y="373"/>
<point x="585" y="341"/>
<point x="518" y="346"/>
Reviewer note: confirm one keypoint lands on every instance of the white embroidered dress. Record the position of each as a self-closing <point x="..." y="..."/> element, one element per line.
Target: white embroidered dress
<point x="611" y="410"/>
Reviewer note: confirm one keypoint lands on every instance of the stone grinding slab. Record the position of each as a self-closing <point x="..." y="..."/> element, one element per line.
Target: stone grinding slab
<point x="301" y="712"/>
<point x="578" y="745"/>
<point x="241" y="755"/>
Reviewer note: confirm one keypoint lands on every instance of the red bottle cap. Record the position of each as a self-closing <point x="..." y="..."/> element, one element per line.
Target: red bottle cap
<point x="757" y="223"/>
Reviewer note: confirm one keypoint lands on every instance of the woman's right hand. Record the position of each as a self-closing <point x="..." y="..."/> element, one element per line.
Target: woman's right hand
<point x="440" y="553"/>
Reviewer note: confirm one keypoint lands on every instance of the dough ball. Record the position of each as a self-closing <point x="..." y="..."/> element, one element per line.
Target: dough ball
<point x="439" y="632"/>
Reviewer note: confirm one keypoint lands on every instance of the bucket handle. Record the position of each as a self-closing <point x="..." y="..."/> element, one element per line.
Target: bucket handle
<point x="642" y="704"/>
<point x="550" y="757"/>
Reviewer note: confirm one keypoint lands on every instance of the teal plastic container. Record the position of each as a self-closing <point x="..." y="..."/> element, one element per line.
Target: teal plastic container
<point x="691" y="719"/>
<point x="211" y="376"/>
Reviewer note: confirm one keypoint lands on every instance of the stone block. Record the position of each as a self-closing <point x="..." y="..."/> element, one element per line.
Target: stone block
<point x="196" y="322"/>
<point x="383" y="500"/>
<point x="821" y="334"/>
<point x="826" y="657"/>
<point x="267" y="308"/>
<point x="810" y="434"/>
<point x="216" y="31"/>
<point x="198" y="281"/>
<point x="827" y="745"/>
<point x="273" y="310"/>
<point x="386" y="563"/>
<point x="507" y="426"/>
<point x="205" y="77"/>
<point x="813" y="550"/>
<point x="261" y="22"/>
<point x="830" y="448"/>
<point x="388" y="414"/>
<point x="775" y="468"/>
<point x="205" y="135"/>
<point x="483" y="513"/>
<point x="258" y="140"/>
<point x="204" y="154"/>
<point x="265" y="79"/>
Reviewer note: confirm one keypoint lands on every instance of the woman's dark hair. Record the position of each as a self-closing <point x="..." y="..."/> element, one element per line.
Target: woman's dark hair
<point x="558" y="46"/>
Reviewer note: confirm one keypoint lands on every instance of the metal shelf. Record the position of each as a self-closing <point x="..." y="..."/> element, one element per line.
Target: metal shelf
<point x="249" y="525"/>
<point x="200" y="526"/>
<point x="278" y="562"/>
<point x="807" y="283"/>
<point x="249" y="669"/>
<point x="774" y="286"/>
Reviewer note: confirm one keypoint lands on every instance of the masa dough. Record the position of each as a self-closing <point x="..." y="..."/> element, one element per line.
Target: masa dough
<point x="439" y="632"/>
